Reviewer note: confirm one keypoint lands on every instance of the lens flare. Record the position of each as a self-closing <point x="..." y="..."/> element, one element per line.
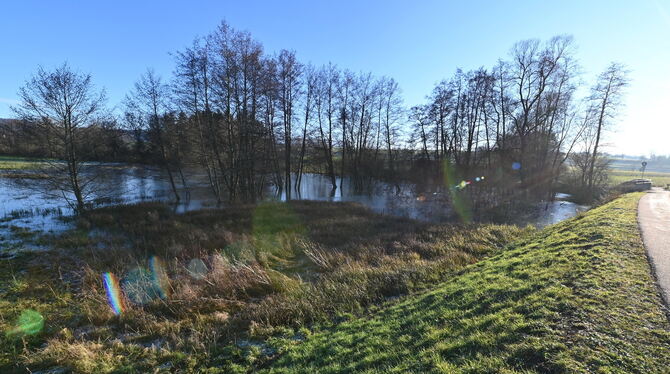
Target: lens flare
<point x="197" y="269"/>
<point x="159" y="275"/>
<point x="30" y="322"/>
<point x="459" y="201"/>
<point x="113" y="292"/>
<point x="139" y="286"/>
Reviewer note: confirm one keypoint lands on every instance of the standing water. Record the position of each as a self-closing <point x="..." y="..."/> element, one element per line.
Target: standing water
<point x="24" y="204"/>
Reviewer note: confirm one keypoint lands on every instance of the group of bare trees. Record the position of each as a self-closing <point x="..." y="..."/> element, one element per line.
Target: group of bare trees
<point x="522" y="116"/>
<point x="246" y="118"/>
<point x="253" y="118"/>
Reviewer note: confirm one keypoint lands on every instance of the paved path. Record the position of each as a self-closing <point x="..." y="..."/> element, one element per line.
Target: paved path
<point x="654" y="219"/>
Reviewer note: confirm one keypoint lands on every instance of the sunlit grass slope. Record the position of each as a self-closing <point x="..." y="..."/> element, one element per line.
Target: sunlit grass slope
<point x="578" y="297"/>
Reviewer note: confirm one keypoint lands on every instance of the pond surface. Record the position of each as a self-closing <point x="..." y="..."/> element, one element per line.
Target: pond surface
<point x="429" y="203"/>
<point x="24" y="204"/>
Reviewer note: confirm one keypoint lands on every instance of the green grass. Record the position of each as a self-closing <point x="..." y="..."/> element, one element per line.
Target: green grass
<point x="578" y="297"/>
<point x="659" y="179"/>
<point x="21" y="167"/>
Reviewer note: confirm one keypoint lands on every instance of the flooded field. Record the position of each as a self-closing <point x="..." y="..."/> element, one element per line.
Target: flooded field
<point x="27" y="204"/>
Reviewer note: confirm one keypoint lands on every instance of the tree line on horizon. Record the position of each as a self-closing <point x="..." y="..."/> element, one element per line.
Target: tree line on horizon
<point x="247" y="118"/>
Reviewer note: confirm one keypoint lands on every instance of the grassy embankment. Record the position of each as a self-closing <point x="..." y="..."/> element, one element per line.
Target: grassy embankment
<point x="577" y="297"/>
<point x="233" y="282"/>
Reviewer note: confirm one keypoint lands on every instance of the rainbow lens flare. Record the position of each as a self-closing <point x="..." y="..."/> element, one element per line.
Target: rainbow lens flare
<point x="159" y="275"/>
<point x="113" y="292"/>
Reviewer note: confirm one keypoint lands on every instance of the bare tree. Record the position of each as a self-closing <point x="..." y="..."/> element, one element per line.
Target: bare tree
<point x="606" y="99"/>
<point x="419" y="117"/>
<point x="192" y="90"/>
<point x="289" y="88"/>
<point x="148" y="101"/>
<point x="391" y="113"/>
<point x="308" y="102"/>
<point x="441" y="106"/>
<point x="64" y="104"/>
<point x="328" y="80"/>
<point x="345" y="89"/>
<point x="537" y="74"/>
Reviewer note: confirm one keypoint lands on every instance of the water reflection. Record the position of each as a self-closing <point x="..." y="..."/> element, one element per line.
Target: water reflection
<point x="429" y="202"/>
<point x="425" y="202"/>
<point x="551" y="212"/>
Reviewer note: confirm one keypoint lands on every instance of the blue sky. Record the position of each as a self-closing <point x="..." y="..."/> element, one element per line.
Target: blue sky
<point x="416" y="42"/>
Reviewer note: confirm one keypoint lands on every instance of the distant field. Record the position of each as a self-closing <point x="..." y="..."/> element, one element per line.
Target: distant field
<point x="658" y="178"/>
<point x="18" y="163"/>
<point x="635" y="164"/>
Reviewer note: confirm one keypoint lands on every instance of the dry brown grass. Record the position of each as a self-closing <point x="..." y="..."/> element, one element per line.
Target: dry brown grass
<point x="262" y="269"/>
